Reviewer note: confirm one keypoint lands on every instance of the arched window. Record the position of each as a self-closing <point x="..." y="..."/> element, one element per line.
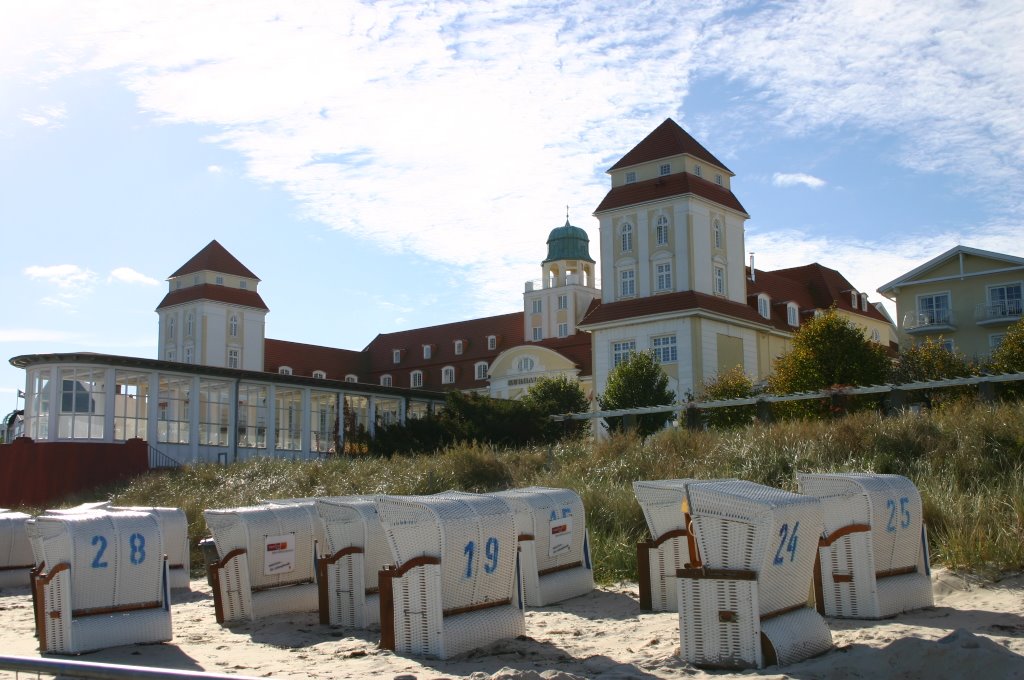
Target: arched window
<point x="627" y="237"/>
<point x="320" y="375"/>
<point x="385" y="380"/>
<point x="448" y="375"/>
<point x="189" y="323"/>
<point x="285" y="370"/>
<point x="481" y="370"/>
<point x="718" y="234"/>
<point x="416" y="379"/>
<point x="661" y="230"/>
<point x="525" y="364"/>
<point x="170" y="327"/>
<point x="233" y="326"/>
<point x="351" y="378"/>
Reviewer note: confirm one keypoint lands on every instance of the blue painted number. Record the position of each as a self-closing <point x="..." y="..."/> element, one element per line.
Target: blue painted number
<point x="490" y="552"/>
<point x="789" y="547"/>
<point x="904" y="513"/>
<point x="470" y="549"/>
<point x="138" y="546"/>
<point x="98" y="562"/>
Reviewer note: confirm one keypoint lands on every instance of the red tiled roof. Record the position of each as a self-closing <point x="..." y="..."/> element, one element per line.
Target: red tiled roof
<point x="214" y="257"/>
<point x="209" y="291"/>
<point x="576" y="348"/>
<point x="667" y="303"/>
<point x="668" y="139"/>
<point x="675" y="184"/>
<point x="811" y="286"/>
<point x="303" y="359"/>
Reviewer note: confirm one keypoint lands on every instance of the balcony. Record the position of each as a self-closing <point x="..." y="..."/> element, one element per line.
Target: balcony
<point x="995" y="313"/>
<point x="927" y="323"/>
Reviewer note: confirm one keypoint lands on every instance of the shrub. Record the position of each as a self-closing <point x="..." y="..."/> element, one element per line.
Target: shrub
<point x="638" y="381"/>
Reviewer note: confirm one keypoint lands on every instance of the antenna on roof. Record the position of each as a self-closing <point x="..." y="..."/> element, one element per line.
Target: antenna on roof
<point x="752" y="275"/>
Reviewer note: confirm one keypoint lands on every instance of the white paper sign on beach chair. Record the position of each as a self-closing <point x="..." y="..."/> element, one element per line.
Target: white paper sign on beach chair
<point x="454" y="584"/>
<point x="873" y="554"/>
<point x="103" y="581"/>
<point x="554" y="546"/>
<point x="355" y="552"/>
<point x="266" y="564"/>
<point x="16" y="560"/>
<point x="746" y="606"/>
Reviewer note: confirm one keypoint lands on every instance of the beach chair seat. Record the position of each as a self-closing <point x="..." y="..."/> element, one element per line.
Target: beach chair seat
<point x="873" y="554"/>
<point x="747" y="604"/>
<point x="454" y="584"/>
<point x="16" y="559"/>
<point x="554" y="546"/>
<point x="102" y="581"/>
<point x="266" y="564"/>
<point x="174" y="525"/>
<point x="355" y="551"/>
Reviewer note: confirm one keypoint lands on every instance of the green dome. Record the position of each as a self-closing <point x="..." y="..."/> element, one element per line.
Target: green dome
<point x="568" y="243"/>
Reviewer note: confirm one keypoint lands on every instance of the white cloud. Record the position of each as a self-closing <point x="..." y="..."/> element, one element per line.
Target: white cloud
<point x="214" y="169"/>
<point x="36" y="335"/>
<point x="791" y="179"/>
<point x="129" y="275"/>
<point x="46" y="116"/>
<point x="71" y="279"/>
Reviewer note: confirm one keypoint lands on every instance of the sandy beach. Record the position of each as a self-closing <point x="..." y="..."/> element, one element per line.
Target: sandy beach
<point x="973" y="629"/>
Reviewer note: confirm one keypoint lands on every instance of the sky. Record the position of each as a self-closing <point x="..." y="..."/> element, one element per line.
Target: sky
<point x="390" y="165"/>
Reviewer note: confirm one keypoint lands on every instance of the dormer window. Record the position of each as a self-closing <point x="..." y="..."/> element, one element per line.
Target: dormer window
<point x="320" y="375"/>
<point x="697" y="170"/>
<point x="718" y="180"/>
<point x="396" y="356"/>
<point x="285" y="370"/>
<point x="492" y="342"/>
<point x="630" y="177"/>
<point x="863" y="302"/>
<point x="243" y="284"/>
<point x="853" y="299"/>
<point x="792" y="315"/>
<point x="220" y="280"/>
<point x="426" y="351"/>
<point x="351" y="378"/>
<point x="665" y="169"/>
<point x="458" y="347"/>
<point x="447" y="375"/>
<point x="385" y="380"/>
<point x="416" y="379"/>
<point x="764" y="306"/>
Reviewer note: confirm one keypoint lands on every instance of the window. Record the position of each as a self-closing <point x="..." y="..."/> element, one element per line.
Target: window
<point x="416" y="379"/>
<point x="630" y="177"/>
<point x="189" y="323"/>
<point x="288" y="414"/>
<point x="323" y="414"/>
<point x="627" y="237"/>
<point x="764" y="306"/>
<point x="234" y="360"/>
<point x="1004" y="300"/>
<point x="933" y="309"/>
<point x="426" y="351"/>
<point x="385" y="380"/>
<point x="214" y="412"/>
<point x="172" y="425"/>
<point x="563" y="302"/>
<point x="458" y="347"/>
<point x="853" y="299"/>
<point x="627" y="283"/>
<point x="947" y="345"/>
<point x="537" y="306"/>
<point x="563" y="330"/>
<point x="492" y="342"/>
<point x="792" y="315"/>
<point x="538" y="333"/>
<point x="172" y="355"/>
<point x="285" y="370"/>
<point x="525" y="364"/>
<point x="396" y="356"/>
<point x="622" y="350"/>
<point x="661" y="230"/>
<point x="252" y="416"/>
<point x="220" y="280"/>
<point x="188" y="354"/>
<point x="876" y="336"/>
<point x="863" y="302"/>
<point x="130" y="405"/>
<point x="481" y="370"/>
<point x="170" y="327"/>
<point x="448" y="375"/>
<point x="82" y="400"/>
<point x="320" y="375"/>
<point x="665" y="349"/>
<point x="243" y="284"/>
<point x="665" y="169"/>
<point x="663" y="276"/>
<point x="233" y="326"/>
<point x="351" y="378"/>
<point x="719" y="281"/>
<point x="718" y="180"/>
<point x="697" y="170"/>
<point x="995" y="340"/>
<point x="718" y="234"/>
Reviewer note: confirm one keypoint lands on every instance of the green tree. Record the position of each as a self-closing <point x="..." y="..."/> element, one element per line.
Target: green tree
<point x="555" y="395"/>
<point x="638" y="381"/>
<point x="929" y="360"/>
<point x="1009" y="356"/>
<point x="731" y="384"/>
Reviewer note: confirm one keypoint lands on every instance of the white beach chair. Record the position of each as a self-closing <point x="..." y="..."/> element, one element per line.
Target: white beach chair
<point x="355" y="551"/>
<point x="266" y="564"/>
<point x="16" y="560"/>
<point x="454" y="584"/>
<point x="671" y="546"/>
<point x="747" y="605"/>
<point x="873" y="555"/>
<point x="102" y="581"/>
<point x="554" y="546"/>
<point x="174" y="525"/>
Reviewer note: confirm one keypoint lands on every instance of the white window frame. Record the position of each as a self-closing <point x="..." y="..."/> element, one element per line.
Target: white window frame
<point x="1011" y="307"/>
<point x="385" y="380"/>
<point x="719" y="281"/>
<point x="416" y="379"/>
<point x="661" y="231"/>
<point x="448" y="375"/>
<point x="665" y="349"/>
<point x="563" y="301"/>
<point x="537" y="307"/>
<point x="233" y="326"/>
<point x="538" y="333"/>
<point x="219" y="280"/>
<point x="792" y="314"/>
<point x="631" y="177"/>
<point x="492" y="342"/>
<point x="718" y="180"/>
<point x="663" y="276"/>
<point x="853" y="299"/>
<point x="458" y="347"/>
<point x="563" y="330"/>
<point x="427" y="351"/>
<point x="320" y="375"/>
<point x="189" y="324"/>
<point x="664" y="169"/>
<point x="396" y="356"/>
<point x="994" y="340"/>
<point x="697" y="171"/>
<point x="863" y="302"/>
<point x="936" y="319"/>
<point x="716" y="227"/>
<point x="621" y="350"/>
<point x="234" y="357"/>
<point x="243" y="284"/>
<point x="525" y="364"/>
<point x="284" y="370"/>
<point x="480" y="370"/>
<point x="627" y="283"/>
<point x="188" y="356"/>
<point x="764" y="306"/>
<point x="351" y="377"/>
<point x="626" y="237"/>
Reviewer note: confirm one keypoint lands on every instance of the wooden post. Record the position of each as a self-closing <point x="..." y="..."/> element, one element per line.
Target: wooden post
<point x="764" y="411"/>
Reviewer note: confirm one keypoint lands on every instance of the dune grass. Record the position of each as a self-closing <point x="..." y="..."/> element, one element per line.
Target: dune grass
<point x="967" y="460"/>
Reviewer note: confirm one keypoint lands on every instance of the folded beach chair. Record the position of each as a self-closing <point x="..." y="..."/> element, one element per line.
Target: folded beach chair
<point x="102" y="581"/>
<point x="554" y="546"/>
<point x="747" y="605"/>
<point x="355" y="551"/>
<point x="454" y="583"/>
<point x="266" y="564"/>
<point x="16" y="560"/>
<point x="671" y="546"/>
<point x="873" y="554"/>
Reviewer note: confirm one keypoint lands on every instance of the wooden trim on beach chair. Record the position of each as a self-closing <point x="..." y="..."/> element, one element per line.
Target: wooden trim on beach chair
<point x="555" y="570"/>
<point x="720" y="574"/>
<point x="385" y="586"/>
<point x="323" y="595"/>
<point x="39" y="584"/>
<point x="214" y="573"/>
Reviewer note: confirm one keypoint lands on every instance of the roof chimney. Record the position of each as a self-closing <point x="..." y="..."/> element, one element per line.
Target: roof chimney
<point x="752" y="275"/>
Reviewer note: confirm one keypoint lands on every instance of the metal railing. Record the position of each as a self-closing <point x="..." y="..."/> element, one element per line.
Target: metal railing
<point x="90" y="670"/>
<point x="920" y="320"/>
<point x="1007" y="310"/>
<point x="159" y="459"/>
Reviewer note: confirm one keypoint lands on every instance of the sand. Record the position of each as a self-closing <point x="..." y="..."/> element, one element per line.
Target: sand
<point x="974" y="631"/>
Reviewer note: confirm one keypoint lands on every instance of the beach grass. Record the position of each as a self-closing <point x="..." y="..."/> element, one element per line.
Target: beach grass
<point x="967" y="459"/>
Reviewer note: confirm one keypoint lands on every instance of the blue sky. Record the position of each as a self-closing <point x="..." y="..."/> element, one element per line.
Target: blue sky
<point x="391" y="165"/>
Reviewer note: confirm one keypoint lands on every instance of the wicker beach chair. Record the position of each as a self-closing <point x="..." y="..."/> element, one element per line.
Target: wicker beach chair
<point x="554" y="546"/>
<point x="746" y="606"/>
<point x="873" y="554"/>
<point x="266" y="564"/>
<point x="355" y="551"/>
<point x="174" y="525"/>
<point x="454" y="584"/>
<point x="16" y="560"/>
<point x="102" y="581"/>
